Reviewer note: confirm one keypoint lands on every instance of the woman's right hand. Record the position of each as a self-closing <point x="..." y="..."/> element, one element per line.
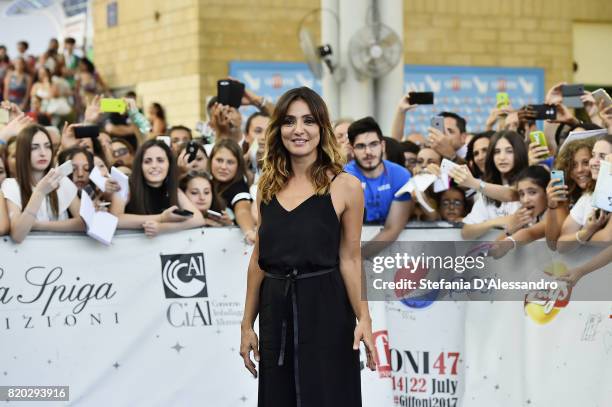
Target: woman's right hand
<point x="49" y="183"/>
<point x="519" y="220"/>
<point x="249" y="342"/>
<point x="556" y="194"/>
<point x="537" y="153"/>
<point x="111" y="185"/>
<point x="463" y="177"/>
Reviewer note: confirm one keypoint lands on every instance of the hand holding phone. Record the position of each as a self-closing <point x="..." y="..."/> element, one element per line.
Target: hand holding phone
<point x="437" y="122"/>
<point x="558" y="176"/>
<point x="544" y="112"/>
<point x="503" y="100"/>
<point x="183" y="212"/>
<point x="214" y="215"/>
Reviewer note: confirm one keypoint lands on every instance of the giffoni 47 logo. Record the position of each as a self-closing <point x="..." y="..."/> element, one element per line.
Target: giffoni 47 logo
<point x="184" y="275"/>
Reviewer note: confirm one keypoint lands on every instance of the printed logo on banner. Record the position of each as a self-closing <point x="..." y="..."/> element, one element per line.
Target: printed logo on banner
<point x="184" y="275"/>
<point x="425" y="299"/>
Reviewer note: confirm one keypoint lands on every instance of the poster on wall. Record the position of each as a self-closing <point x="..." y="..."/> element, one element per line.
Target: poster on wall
<point x="468" y="91"/>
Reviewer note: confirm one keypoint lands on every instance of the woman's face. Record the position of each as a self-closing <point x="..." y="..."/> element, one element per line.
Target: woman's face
<point x="41" y="152"/>
<point x="452" y="205"/>
<point x="2" y="172"/>
<point x="224" y="165"/>
<point x="80" y="170"/>
<point x="503" y="156"/>
<point x="257" y="128"/>
<point x="532" y="196"/>
<point x="600" y="150"/>
<point x="199" y="192"/>
<point x="480" y="152"/>
<point x="155" y="166"/>
<point x="300" y="132"/>
<point x="581" y="172"/>
<point x="425" y="157"/>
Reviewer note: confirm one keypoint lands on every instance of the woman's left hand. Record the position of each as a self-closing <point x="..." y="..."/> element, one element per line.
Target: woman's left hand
<point x="363" y="333"/>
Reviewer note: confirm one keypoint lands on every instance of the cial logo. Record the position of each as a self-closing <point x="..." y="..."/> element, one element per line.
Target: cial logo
<point x="184" y="275"/>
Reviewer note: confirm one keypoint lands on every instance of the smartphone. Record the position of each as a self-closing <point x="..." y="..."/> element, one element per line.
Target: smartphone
<point x="558" y="176"/>
<point x="544" y="112"/>
<point x="214" y="215"/>
<point x="192" y="150"/>
<point x="437" y="122"/>
<point x="111" y="105"/>
<point x="601" y="94"/>
<point x="230" y="92"/>
<point x="183" y="212"/>
<point x="86" y="131"/>
<point x="447" y="165"/>
<point x="571" y="95"/>
<point x="4" y="116"/>
<point x="503" y="100"/>
<point x="66" y="168"/>
<point x="421" y="98"/>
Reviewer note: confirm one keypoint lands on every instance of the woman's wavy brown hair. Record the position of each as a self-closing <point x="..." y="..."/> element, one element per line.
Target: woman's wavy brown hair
<point x="276" y="169"/>
<point x="565" y="163"/>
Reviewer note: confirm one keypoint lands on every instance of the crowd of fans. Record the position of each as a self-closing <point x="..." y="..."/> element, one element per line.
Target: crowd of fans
<point x="500" y="178"/>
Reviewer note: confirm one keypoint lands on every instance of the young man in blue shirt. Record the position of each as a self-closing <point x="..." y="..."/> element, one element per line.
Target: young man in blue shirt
<point x="380" y="180"/>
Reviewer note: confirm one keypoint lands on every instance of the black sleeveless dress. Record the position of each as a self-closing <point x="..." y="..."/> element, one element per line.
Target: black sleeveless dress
<point x="306" y="323"/>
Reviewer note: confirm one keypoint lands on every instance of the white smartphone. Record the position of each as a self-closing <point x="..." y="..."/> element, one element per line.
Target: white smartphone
<point x="447" y="165"/>
<point x="66" y="168"/>
<point x="214" y="215"/>
<point x="601" y="94"/>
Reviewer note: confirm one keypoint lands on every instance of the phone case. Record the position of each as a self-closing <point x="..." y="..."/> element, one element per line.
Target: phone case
<point x="503" y="99"/>
<point x="438" y="123"/>
<point x="111" y="105"/>
<point x="559" y="176"/>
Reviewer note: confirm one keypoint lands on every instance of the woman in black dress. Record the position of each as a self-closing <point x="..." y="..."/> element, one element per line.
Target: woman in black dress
<point x="304" y="276"/>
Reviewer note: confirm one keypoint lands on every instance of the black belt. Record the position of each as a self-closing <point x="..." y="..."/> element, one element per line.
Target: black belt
<point x="290" y="279"/>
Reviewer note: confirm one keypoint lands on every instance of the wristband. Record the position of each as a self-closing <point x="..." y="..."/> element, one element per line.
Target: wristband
<point x="510" y="238"/>
<point x="262" y="104"/>
<point x="481" y="187"/>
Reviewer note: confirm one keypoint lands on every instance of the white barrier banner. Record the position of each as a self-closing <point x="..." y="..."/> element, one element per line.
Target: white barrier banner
<point x="156" y="322"/>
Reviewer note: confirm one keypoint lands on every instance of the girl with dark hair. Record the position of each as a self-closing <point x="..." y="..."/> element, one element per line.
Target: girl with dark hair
<point x="154" y="195"/>
<point x="529" y="220"/>
<point x="228" y="169"/>
<point x="506" y="158"/>
<point x="584" y="222"/>
<point x="39" y="197"/>
<point x="304" y="275"/>
<point x="82" y="164"/>
<point x="198" y="186"/>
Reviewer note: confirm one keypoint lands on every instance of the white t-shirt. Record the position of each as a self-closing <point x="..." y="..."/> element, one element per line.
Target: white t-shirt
<point x="66" y="192"/>
<point x="582" y="209"/>
<point x="484" y="210"/>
